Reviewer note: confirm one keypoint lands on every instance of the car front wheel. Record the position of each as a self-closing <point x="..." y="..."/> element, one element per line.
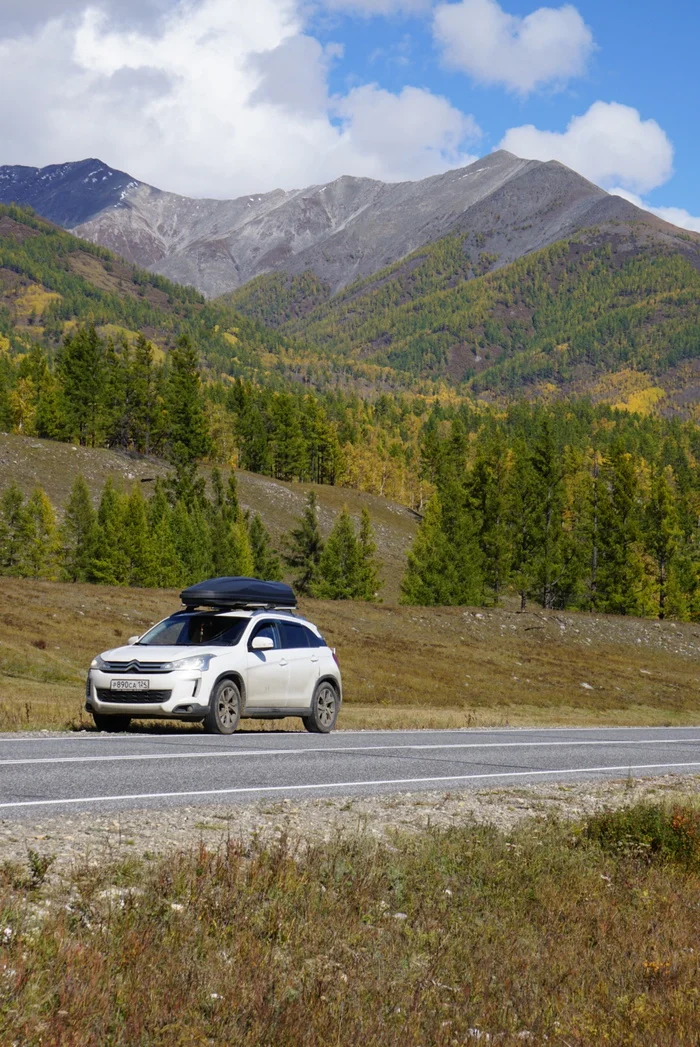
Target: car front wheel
<point x="324" y="709"/>
<point x="105" y="722"/>
<point x="224" y="708"/>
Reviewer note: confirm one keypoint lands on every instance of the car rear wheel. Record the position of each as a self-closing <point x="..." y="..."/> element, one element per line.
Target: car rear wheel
<point x="325" y="707"/>
<point x="224" y="708"/>
<point x="105" y="722"/>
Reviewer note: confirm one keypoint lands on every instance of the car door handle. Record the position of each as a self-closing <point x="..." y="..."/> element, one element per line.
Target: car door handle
<point x="283" y="662"/>
<point x="314" y="657"/>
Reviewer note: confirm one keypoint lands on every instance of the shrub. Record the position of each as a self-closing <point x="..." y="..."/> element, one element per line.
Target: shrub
<point x="649" y="831"/>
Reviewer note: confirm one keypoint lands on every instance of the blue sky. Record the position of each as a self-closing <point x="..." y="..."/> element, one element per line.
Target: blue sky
<point x="645" y="56"/>
<point x="230" y="97"/>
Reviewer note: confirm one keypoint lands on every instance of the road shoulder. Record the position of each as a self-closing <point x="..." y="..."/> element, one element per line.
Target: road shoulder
<point x="93" y="839"/>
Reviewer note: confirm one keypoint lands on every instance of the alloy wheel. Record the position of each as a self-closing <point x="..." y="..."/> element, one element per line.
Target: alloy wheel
<point x="325" y="706"/>
<point x="228" y="706"/>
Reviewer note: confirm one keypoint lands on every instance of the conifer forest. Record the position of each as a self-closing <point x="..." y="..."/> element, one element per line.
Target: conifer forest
<point x="561" y="501"/>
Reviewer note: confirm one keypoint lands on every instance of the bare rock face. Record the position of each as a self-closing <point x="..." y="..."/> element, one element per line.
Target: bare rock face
<point x="341" y="231"/>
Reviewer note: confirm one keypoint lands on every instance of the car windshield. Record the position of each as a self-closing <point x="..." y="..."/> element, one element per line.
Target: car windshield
<point x="195" y="630"/>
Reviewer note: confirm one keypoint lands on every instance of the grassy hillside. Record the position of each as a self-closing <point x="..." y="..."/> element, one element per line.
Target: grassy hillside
<point x="559" y="318"/>
<point x="54" y="467"/>
<point x="402" y="666"/>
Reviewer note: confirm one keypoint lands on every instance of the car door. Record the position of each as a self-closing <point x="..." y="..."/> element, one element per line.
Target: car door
<point x="267" y="671"/>
<point x="303" y="664"/>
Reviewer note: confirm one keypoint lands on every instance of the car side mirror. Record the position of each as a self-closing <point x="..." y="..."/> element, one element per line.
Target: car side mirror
<point x="133" y="639"/>
<point x="262" y="643"/>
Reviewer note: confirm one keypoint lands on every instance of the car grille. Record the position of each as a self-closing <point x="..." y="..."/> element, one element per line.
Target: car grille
<point x="132" y="697"/>
<point x="135" y="667"/>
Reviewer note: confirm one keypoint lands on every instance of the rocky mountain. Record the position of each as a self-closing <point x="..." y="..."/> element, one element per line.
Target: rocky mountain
<point x="346" y="230"/>
<point x="67" y="194"/>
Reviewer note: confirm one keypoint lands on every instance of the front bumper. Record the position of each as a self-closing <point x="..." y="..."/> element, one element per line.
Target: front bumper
<point x="169" y="695"/>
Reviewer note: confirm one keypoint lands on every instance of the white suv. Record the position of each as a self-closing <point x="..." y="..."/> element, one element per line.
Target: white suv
<point x="217" y="666"/>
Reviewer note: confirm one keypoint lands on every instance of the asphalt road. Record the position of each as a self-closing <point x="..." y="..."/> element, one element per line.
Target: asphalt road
<point x="100" y="772"/>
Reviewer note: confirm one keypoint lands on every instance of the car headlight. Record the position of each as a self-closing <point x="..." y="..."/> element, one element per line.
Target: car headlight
<point x="98" y="663"/>
<point x="197" y="661"/>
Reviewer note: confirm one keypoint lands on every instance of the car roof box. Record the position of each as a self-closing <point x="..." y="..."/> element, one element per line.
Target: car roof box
<point x="249" y="593"/>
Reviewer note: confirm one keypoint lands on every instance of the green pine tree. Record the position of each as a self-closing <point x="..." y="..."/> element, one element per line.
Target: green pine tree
<point x="369" y="583"/>
<point x="187" y="422"/>
<point x="340" y="568"/>
<point x="14" y="526"/>
<point x="109" y="562"/>
<point x="662" y="540"/>
<point x="488" y="486"/>
<point x="168" y="569"/>
<point x="81" y="367"/>
<point x="548" y="476"/>
<point x="431" y="578"/>
<point x="460" y="524"/>
<point x="138" y="541"/>
<point x="192" y="542"/>
<point x="266" y="562"/>
<point x="304" y="547"/>
<point x="522" y="510"/>
<point x="40" y="555"/>
<point x="143" y="398"/>
<point x="621" y="579"/>
<point x="77" y="530"/>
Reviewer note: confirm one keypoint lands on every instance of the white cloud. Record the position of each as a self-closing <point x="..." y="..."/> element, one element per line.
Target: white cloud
<point x="675" y="215"/>
<point x="22" y="16"/>
<point x="478" y="37"/>
<point x="215" y="98"/>
<point x="369" y="8"/>
<point x="610" y="144"/>
<point x="414" y="126"/>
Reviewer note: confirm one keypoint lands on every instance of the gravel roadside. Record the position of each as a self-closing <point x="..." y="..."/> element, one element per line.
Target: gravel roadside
<point x="75" y="840"/>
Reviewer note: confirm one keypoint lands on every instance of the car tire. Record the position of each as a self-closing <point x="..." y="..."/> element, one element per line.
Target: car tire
<point x="325" y="706"/>
<point x="224" y="708"/>
<point x="105" y="722"/>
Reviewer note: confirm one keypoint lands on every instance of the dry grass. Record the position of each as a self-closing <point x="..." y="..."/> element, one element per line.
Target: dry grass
<point x="402" y="666"/>
<point x="551" y="934"/>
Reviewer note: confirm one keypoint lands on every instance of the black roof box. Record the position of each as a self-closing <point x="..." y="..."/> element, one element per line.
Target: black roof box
<point x="238" y="592"/>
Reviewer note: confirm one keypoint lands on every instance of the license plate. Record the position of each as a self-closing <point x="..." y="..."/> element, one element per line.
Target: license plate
<point x="129" y="685"/>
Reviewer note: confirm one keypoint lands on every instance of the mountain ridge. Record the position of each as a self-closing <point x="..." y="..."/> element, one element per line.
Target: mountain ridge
<point x="341" y="231"/>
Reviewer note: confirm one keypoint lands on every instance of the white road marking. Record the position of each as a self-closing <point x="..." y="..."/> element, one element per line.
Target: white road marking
<point x="240" y="790"/>
<point x="84" y="737"/>
<point x="240" y="754"/>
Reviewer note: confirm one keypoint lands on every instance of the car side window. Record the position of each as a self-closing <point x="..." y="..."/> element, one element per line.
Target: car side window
<point x="293" y="635"/>
<point x="313" y="639"/>
<point x="267" y="629"/>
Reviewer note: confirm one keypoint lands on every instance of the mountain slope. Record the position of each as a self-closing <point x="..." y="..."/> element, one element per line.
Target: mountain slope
<point x="343" y="231"/>
<point x="67" y="194"/>
<point x="49" y="280"/>
<point x="616" y="296"/>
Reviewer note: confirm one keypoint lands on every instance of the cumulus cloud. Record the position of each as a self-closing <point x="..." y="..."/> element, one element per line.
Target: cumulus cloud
<point x="610" y="144"/>
<point x="550" y="45"/>
<point x="414" y="127"/>
<point x="213" y="98"/>
<point x="675" y="215"/>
